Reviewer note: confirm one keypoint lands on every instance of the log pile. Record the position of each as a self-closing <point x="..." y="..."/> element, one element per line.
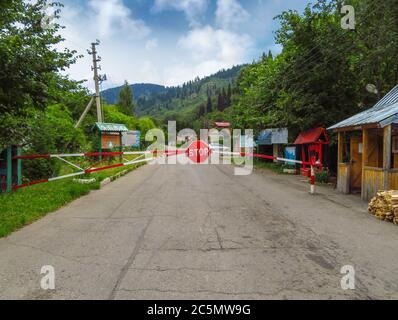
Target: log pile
<point x="385" y="206"/>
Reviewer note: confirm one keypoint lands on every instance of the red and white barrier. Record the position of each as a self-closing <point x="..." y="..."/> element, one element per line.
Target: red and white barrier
<point x="153" y="153"/>
<point x="83" y="171"/>
<point x="314" y="163"/>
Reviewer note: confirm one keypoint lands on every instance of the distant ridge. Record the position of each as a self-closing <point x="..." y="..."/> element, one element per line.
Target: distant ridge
<point x="139" y="90"/>
<point x="162" y="102"/>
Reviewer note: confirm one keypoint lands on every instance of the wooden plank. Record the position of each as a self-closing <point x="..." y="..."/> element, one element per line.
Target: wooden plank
<point x="364" y="162"/>
<point x="387" y="154"/>
<point x="343" y="178"/>
<point x="373" y="182"/>
<point x="340" y="147"/>
<point x="393" y="180"/>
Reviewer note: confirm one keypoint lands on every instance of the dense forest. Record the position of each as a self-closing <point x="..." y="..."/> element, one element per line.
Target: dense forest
<point x="111" y="95"/>
<point x="193" y="103"/>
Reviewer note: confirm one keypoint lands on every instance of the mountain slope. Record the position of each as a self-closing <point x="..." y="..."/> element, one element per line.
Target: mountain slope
<point x="139" y="90"/>
<point x="186" y="103"/>
<point x="188" y="96"/>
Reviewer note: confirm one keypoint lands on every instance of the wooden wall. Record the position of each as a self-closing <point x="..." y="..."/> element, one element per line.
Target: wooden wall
<point x="395" y="161"/>
<point x="343" y="178"/>
<point x="393" y="179"/>
<point x="373" y="181"/>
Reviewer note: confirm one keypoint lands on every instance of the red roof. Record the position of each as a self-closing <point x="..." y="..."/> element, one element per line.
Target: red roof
<point x="222" y="124"/>
<point x="317" y="135"/>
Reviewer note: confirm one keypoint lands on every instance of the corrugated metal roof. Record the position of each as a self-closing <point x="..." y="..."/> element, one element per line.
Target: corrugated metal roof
<point x="317" y="135"/>
<point x="273" y="136"/>
<point x="384" y="113"/>
<point x="111" y="127"/>
<point x="265" y="138"/>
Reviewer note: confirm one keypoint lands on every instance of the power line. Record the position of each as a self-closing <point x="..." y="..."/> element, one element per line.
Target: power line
<point x="317" y="56"/>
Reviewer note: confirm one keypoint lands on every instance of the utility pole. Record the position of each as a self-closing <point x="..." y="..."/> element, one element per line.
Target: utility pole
<point x="97" y="78"/>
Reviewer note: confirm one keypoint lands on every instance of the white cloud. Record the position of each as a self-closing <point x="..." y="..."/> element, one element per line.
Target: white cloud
<point x="208" y="43"/>
<point x="230" y="14"/>
<point x="113" y="17"/>
<point x="210" y="50"/>
<point x="151" y="44"/>
<point x="163" y="58"/>
<point x="192" y="8"/>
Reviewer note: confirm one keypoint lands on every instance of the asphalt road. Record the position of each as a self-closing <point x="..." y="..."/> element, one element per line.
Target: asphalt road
<point x="199" y="232"/>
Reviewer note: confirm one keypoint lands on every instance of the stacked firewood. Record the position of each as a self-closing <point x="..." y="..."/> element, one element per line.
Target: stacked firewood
<point x="385" y="206"/>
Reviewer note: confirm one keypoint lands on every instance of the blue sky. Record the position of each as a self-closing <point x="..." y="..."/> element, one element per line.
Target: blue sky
<point x="169" y="41"/>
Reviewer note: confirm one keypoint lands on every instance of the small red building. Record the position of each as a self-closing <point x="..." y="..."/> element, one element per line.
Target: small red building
<point x="311" y="143"/>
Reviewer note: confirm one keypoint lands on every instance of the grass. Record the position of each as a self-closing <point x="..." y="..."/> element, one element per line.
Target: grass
<point x="27" y="205"/>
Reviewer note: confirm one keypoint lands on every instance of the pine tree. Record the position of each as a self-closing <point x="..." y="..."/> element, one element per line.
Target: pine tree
<point x="209" y="105"/>
<point x="220" y="102"/>
<point x="126" y="100"/>
<point x="201" y="111"/>
<point x="229" y="96"/>
<point x="224" y="99"/>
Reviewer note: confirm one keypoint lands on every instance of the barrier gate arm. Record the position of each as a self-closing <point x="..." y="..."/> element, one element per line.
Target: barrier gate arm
<point x="82" y="171"/>
<point x="313" y="163"/>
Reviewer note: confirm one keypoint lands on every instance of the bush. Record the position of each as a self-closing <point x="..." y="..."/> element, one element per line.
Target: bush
<point x="322" y="177"/>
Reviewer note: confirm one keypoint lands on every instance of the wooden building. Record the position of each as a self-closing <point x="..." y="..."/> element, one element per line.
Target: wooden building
<point x="368" y="149"/>
<point x="222" y="125"/>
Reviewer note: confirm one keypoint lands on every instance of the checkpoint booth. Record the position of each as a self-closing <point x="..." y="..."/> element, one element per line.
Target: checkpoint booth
<point x="10" y="168"/>
<point x="312" y="143"/>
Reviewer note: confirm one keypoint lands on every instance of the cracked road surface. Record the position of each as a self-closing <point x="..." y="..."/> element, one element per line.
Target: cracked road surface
<point x="199" y="232"/>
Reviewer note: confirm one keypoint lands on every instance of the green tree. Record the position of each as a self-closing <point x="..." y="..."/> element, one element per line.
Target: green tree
<point x="113" y="115"/>
<point x="229" y="95"/>
<point x="209" y="107"/>
<point x="28" y="64"/>
<point x="126" y="100"/>
<point x="220" y="102"/>
<point x="51" y="131"/>
<point x="145" y="124"/>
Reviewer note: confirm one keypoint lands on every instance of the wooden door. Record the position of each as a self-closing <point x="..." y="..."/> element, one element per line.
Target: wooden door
<point x="356" y="163"/>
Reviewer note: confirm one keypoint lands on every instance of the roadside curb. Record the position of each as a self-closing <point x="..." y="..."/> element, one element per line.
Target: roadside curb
<point x="113" y="178"/>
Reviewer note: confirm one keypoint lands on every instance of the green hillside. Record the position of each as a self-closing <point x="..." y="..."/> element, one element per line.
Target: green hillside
<point x="189" y="104"/>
